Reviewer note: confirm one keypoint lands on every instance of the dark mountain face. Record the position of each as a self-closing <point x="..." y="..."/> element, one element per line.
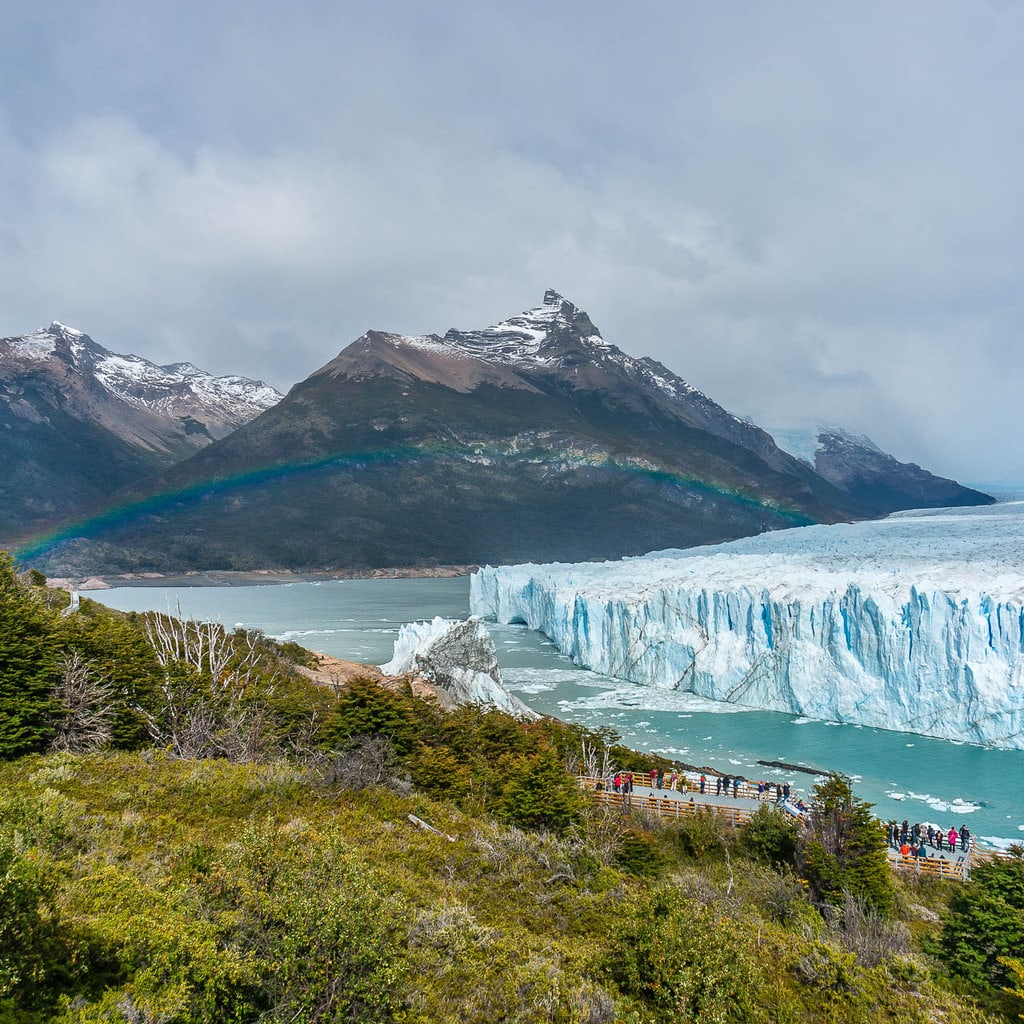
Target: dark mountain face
<point x="534" y="439"/>
<point x="854" y="464"/>
<point x="78" y="423"/>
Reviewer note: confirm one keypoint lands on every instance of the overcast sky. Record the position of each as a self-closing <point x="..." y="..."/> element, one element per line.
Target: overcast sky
<point x="807" y="210"/>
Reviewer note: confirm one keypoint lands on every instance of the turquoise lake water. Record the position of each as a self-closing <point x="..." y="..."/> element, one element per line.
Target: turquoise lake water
<point x="905" y="776"/>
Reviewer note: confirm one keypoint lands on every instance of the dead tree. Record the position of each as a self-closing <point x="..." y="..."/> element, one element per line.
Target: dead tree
<point x="207" y="706"/>
<point x="85" y="707"/>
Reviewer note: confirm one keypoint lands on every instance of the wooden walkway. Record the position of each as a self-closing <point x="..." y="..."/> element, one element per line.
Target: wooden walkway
<point x="682" y="803"/>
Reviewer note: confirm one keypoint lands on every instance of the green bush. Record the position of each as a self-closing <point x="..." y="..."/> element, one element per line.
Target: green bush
<point x="674" y="957"/>
<point x="985" y="923"/>
<point x="539" y="794"/>
<point x="770" y="836"/>
<point x="703" y="834"/>
<point x="29" y="655"/>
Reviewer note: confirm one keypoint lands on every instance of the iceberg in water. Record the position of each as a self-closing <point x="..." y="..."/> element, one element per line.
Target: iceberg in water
<point x="457" y="657"/>
<point x="912" y="623"/>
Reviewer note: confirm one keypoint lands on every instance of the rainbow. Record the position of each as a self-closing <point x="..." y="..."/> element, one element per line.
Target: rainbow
<point x="159" y="503"/>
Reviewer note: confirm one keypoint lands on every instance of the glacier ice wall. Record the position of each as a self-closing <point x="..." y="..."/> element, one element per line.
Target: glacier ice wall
<point x="913" y="623"/>
<point x="460" y="658"/>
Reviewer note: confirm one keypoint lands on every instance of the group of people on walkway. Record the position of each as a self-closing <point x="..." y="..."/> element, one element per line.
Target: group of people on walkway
<point x="914" y="840"/>
<point x="725" y="785"/>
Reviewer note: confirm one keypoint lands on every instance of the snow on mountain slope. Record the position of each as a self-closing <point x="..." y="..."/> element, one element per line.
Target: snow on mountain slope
<point x="913" y="623"/>
<point x="179" y="390"/>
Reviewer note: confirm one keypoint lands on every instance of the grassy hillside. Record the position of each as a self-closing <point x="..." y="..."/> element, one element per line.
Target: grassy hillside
<point x="245" y="847"/>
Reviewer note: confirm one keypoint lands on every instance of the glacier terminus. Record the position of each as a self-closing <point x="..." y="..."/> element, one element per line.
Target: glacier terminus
<point x="913" y="623"/>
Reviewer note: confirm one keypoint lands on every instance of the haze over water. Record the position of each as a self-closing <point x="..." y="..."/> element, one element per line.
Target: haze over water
<point x="904" y="775"/>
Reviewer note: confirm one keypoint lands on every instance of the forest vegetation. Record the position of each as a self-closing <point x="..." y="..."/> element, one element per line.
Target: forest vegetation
<point x="192" y="831"/>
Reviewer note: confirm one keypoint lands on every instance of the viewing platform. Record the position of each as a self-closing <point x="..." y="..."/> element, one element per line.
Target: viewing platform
<point x="687" y="799"/>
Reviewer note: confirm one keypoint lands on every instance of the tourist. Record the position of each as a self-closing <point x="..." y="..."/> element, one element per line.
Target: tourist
<point x="904" y="848"/>
<point x="672" y="779"/>
<point x="617" y="782"/>
<point x="965" y="839"/>
<point x="654" y="775"/>
<point x="953" y="837"/>
<point x="760" y="789"/>
<point x="718" y="785"/>
<point x="938" y="839"/>
<point x="703" y="781"/>
<point x="661" y="777"/>
<point x="736" y="786"/>
<point x="785" y="792"/>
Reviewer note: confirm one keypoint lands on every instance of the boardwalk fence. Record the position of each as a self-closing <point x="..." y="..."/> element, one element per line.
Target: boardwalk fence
<point x="662" y="805"/>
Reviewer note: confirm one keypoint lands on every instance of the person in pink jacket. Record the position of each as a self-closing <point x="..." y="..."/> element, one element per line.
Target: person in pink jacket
<point x="953" y="837"/>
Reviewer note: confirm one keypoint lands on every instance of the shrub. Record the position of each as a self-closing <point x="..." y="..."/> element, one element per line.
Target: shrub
<point x="770" y="836"/>
<point x="639" y="853"/>
<point x="702" y="834"/>
<point x="29" y="655"/>
<point x="539" y="794"/>
<point x="985" y="923"/>
<point x="672" y="956"/>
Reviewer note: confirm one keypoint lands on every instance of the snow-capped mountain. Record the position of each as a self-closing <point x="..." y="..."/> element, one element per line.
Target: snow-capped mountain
<point x="552" y="343"/>
<point x="856" y="465"/>
<point x="77" y="421"/>
<point x="532" y="438"/>
<point x="178" y="391"/>
<point x="914" y="622"/>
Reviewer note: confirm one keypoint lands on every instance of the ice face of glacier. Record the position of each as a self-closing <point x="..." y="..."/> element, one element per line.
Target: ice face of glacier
<point x="913" y="623"/>
<point x="459" y="658"/>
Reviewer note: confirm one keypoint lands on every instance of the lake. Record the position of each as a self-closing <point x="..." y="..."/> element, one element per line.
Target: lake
<point x="905" y="776"/>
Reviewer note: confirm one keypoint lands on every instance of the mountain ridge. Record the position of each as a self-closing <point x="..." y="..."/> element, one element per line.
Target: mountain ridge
<point x="78" y="422"/>
<point x="532" y="438"/>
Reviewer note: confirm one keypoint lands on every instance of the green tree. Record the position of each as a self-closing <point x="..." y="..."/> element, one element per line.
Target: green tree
<point x="985" y="923"/>
<point x="843" y="850"/>
<point x="540" y="794"/>
<point x="364" y="708"/>
<point x="29" y="656"/>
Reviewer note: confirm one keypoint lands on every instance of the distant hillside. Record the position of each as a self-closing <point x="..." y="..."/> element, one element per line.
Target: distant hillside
<point x="77" y="422"/>
<point x="531" y="439"/>
<point x="880" y="482"/>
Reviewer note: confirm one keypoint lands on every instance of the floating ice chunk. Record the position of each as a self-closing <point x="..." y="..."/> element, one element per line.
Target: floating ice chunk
<point x="459" y="658"/>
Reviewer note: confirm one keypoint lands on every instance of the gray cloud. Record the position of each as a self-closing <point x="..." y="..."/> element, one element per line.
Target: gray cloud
<point x="807" y="211"/>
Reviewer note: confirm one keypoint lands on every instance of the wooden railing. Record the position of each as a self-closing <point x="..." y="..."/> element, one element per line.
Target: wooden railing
<point x="660" y="804"/>
<point x="933" y="867"/>
<point x="664" y="806"/>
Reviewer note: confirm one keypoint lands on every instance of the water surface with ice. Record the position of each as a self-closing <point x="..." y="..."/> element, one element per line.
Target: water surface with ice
<point x="905" y="775"/>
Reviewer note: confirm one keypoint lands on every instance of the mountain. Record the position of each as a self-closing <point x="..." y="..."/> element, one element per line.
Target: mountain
<point x="78" y="422"/>
<point x="881" y="483"/>
<point x="531" y="439"/>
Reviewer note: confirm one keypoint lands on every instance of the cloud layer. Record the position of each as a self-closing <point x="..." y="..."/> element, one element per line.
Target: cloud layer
<point x="807" y="212"/>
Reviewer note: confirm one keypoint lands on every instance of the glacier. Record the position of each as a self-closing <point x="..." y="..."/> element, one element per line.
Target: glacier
<point x="913" y="623"/>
